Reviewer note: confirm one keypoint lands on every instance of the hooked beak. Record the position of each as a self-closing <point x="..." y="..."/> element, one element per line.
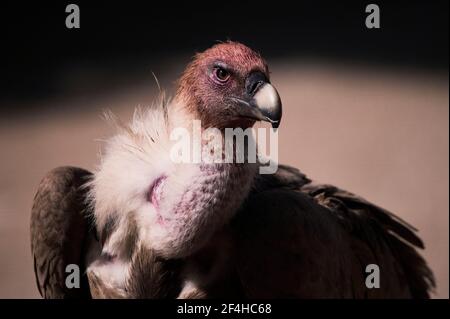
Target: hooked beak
<point x="267" y="101"/>
<point x="262" y="102"/>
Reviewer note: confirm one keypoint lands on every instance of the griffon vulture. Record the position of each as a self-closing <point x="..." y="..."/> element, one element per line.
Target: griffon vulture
<point x="143" y="226"/>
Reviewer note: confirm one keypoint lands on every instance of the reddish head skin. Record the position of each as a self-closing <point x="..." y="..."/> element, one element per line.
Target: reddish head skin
<point x="204" y="95"/>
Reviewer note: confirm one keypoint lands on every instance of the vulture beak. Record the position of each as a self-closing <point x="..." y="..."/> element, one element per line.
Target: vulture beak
<point x="261" y="102"/>
<point x="267" y="102"/>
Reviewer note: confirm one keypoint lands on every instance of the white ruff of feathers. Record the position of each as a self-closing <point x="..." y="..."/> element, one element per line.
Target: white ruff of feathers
<point x="196" y="199"/>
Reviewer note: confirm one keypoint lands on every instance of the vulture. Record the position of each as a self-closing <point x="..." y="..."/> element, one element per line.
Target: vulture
<point x="144" y="226"/>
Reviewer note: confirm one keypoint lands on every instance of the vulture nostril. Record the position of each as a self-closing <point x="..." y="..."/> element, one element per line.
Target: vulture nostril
<point x="254" y="81"/>
<point x="254" y="87"/>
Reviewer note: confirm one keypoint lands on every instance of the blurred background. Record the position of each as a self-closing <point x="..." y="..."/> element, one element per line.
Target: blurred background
<point x="365" y="109"/>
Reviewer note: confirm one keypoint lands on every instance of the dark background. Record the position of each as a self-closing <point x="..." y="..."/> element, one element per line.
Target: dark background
<point x="116" y="36"/>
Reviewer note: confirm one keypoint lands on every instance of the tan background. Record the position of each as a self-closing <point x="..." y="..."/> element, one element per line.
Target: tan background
<point x="380" y="134"/>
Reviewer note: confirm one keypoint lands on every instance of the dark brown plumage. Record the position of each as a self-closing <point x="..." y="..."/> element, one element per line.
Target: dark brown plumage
<point x="315" y="241"/>
<point x="59" y="231"/>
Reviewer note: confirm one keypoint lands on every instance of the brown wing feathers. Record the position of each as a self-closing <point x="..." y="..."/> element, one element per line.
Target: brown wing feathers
<point x="381" y="231"/>
<point x="59" y="228"/>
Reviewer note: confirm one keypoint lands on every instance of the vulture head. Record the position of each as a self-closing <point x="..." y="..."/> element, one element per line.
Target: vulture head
<point x="139" y="195"/>
<point x="228" y="85"/>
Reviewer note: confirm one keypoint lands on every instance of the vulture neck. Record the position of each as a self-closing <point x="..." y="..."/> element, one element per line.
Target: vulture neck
<point x="211" y="194"/>
<point x="194" y="201"/>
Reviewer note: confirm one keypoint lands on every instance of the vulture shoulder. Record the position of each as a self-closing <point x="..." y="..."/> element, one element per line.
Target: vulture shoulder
<point x="297" y="239"/>
<point x="59" y="231"/>
<point x="63" y="233"/>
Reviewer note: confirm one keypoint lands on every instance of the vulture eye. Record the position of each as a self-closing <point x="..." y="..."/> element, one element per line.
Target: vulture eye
<point x="221" y="74"/>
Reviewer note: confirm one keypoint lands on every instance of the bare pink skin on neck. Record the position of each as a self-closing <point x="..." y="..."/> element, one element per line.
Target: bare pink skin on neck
<point x="155" y="195"/>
